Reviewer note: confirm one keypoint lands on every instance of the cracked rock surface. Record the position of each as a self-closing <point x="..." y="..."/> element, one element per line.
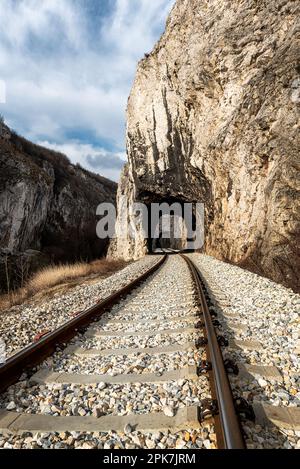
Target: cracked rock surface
<point x="213" y="117"/>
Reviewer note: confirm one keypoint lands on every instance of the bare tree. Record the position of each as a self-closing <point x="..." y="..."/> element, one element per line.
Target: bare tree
<point x="7" y="274"/>
<point x="22" y="270"/>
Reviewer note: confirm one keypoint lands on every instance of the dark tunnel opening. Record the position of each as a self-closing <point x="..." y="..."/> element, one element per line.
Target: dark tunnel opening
<point x="167" y="229"/>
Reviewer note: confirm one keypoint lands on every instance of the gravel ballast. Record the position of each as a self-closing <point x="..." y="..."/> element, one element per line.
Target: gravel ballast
<point x="250" y="308"/>
<point x="116" y="365"/>
<point x="21" y="324"/>
<point x="270" y="314"/>
<point x="136" y="341"/>
<point x="168" y="298"/>
<point x="103" y="398"/>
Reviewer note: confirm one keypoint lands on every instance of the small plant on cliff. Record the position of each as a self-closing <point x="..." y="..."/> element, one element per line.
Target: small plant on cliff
<point x="1" y="119"/>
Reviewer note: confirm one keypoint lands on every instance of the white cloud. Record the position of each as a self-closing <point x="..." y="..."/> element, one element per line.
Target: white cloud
<point x="68" y="71"/>
<point x="91" y="157"/>
<point x="2" y="92"/>
<point x="24" y="17"/>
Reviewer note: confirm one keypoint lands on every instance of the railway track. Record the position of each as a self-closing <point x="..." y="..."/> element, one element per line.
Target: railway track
<point x="142" y="368"/>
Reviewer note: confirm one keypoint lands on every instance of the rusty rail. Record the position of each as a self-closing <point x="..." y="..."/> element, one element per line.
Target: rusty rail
<point x="35" y="353"/>
<point x="227" y="422"/>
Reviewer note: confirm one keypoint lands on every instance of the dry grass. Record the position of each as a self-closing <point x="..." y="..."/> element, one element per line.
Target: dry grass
<point x="49" y="277"/>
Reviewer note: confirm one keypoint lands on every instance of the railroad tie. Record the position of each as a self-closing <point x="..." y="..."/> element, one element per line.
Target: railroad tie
<point x="13" y="422"/>
<point x="245" y="344"/>
<point x="282" y="417"/>
<point x="45" y="376"/>
<point x="251" y="372"/>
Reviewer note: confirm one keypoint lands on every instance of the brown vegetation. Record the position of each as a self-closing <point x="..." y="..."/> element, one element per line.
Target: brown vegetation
<point x="49" y="277"/>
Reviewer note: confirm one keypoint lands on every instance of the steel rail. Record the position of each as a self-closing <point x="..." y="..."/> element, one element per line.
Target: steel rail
<point x="232" y="437"/>
<point x="35" y="353"/>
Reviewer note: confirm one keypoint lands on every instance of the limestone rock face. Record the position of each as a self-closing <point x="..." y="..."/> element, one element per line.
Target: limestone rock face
<point x="47" y="205"/>
<point x="213" y="116"/>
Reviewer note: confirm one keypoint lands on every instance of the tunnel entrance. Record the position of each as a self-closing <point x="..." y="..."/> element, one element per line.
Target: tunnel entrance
<point x="169" y="229"/>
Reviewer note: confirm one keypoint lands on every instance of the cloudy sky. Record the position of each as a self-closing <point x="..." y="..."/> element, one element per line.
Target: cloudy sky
<point x="68" y="66"/>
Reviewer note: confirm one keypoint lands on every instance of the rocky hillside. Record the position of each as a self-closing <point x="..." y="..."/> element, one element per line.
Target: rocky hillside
<point x="213" y="116"/>
<point x="47" y="208"/>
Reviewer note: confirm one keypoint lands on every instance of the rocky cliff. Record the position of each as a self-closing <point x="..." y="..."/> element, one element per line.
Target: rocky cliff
<point x="47" y="207"/>
<point x="213" y="116"/>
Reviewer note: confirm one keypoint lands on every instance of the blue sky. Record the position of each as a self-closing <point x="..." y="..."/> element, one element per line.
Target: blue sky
<point x="68" y="66"/>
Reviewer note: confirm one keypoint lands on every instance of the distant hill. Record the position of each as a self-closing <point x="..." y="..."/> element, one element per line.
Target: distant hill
<point x="47" y="207"/>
